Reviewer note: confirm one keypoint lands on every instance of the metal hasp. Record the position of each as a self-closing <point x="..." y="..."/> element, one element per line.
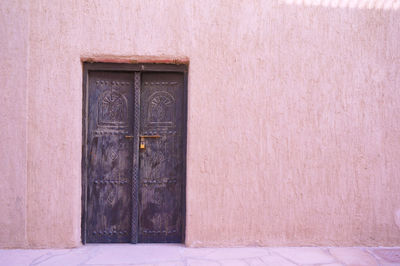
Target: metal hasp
<point x="142" y="145"/>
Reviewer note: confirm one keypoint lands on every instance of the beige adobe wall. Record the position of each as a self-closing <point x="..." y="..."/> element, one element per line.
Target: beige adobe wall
<point x="14" y="24"/>
<point x="294" y="122"/>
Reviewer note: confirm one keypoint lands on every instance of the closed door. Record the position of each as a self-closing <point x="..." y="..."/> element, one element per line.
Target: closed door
<point x="134" y="154"/>
<point x="161" y="158"/>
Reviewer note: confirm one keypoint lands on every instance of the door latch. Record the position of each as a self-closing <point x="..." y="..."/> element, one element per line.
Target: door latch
<point x="142" y="144"/>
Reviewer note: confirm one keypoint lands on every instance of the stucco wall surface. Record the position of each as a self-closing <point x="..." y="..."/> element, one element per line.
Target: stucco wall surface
<point x="293" y="128"/>
<point x="14" y="24"/>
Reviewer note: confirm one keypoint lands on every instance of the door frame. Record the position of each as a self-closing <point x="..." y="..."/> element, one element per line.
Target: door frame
<point x="137" y="70"/>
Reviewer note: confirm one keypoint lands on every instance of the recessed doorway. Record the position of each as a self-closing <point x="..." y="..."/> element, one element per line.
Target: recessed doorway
<point x="134" y="153"/>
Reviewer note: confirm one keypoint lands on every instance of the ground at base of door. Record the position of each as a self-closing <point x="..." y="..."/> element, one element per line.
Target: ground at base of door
<point x="179" y="255"/>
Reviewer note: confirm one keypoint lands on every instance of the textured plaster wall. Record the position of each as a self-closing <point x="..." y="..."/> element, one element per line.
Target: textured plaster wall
<point x="294" y="117"/>
<point x="14" y="24"/>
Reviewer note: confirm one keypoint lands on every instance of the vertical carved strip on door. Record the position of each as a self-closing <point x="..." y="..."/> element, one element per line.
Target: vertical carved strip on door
<point x="135" y="176"/>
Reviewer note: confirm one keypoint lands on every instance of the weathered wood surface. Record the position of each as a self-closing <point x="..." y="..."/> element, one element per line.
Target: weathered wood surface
<point x="109" y="157"/>
<point x="161" y="161"/>
<point x="134" y="197"/>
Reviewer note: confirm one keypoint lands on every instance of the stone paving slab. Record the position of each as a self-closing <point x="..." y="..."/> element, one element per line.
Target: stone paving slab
<point x="179" y="255"/>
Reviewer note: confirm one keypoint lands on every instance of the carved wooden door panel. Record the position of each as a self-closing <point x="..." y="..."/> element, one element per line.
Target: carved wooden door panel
<point x="133" y="171"/>
<point x="109" y="169"/>
<point x="161" y="157"/>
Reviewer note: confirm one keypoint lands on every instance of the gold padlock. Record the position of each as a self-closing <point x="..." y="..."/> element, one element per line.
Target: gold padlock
<point x="142" y="137"/>
<point x="142" y="145"/>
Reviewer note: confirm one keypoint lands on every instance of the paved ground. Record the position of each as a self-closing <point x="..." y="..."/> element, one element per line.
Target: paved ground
<point x="170" y="255"/>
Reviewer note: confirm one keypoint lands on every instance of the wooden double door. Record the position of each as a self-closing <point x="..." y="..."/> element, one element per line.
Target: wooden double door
<point x="134" y="153"/>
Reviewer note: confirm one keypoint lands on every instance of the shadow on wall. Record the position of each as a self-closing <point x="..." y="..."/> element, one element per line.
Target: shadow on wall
<point x="360" y="4"/>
